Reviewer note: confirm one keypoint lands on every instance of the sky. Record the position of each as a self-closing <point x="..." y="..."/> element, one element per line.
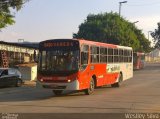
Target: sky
<point x="40" y="20"/>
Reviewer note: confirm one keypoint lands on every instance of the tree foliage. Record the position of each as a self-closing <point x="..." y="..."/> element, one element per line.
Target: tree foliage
<point x="111" y="28"/>
<point x="144" y="43"/>
<point x="6" y="6"/>
<point x="156" y="36"/>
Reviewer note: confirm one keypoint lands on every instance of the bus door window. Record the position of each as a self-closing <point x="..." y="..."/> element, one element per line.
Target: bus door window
<point x="84" y="56"/>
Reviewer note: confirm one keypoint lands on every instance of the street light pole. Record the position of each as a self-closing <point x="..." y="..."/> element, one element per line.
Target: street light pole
<point x="120" y="4"/>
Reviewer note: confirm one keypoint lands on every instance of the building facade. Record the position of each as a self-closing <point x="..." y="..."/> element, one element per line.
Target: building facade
<point x="16" y="53"/>
<point x="153" y="56"/>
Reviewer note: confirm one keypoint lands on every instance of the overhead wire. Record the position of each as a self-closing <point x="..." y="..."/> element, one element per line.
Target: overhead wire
<point x="144" y="4"/>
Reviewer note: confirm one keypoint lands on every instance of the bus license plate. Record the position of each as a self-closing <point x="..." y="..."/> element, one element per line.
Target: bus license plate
<point x="53" y="86"/>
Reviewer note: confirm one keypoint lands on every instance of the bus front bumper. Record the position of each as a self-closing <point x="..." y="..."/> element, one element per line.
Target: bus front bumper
<point x="74" y="85"/>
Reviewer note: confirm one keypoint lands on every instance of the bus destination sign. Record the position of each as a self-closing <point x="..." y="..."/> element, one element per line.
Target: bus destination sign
<point x="58" y="44"/>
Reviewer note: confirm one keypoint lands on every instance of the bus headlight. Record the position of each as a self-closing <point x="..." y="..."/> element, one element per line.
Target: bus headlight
<point x="69" y="81"/>
<point x="41" y="79"/>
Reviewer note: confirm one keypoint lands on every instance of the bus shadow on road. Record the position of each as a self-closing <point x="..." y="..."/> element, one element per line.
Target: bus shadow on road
<point x="81" y="93"/>
<point x="34" y="94"/>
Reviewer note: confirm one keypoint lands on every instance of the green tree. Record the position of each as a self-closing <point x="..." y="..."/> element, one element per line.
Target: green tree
<point x="6" y="8"/>
<point x="156" y="36"/>
<point x="110" y="28"/>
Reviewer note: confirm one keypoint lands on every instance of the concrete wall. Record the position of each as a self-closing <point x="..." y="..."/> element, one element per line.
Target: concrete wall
<point x="153" y="56"/>
<point x="29" y="73"/>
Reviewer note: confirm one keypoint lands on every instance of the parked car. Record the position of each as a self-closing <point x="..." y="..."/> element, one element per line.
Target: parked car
<point x="10" y="77"/>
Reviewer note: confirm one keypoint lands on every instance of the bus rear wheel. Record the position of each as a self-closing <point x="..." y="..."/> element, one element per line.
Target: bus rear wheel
<point x="117" y="84"/>
<point x="57" y="92"/>
<point x="91" y="88"/>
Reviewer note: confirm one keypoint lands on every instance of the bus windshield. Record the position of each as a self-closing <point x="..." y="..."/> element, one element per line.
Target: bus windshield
<point x="59" y="61"/>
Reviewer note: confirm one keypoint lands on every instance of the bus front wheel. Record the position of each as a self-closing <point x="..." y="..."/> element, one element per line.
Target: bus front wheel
<point x="57" y="92"/>
<point x="91" y="88"/>
<point x="117" y="84"/>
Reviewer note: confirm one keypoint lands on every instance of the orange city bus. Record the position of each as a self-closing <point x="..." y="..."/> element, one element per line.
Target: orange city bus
<point x="138" y="60"/>
<point x="81" y="65"/>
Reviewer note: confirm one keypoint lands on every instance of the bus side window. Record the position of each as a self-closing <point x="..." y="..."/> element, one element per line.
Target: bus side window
<point x="84" y="56"/>
<point x="121" y="55"/>
<point x="110" y="55"/>
<point x="95" y="55"/>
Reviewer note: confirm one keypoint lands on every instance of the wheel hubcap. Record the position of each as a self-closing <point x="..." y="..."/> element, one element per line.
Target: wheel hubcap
<point x="92" y="86"/>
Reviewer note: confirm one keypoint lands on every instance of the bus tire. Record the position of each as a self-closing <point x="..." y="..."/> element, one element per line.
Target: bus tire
<point x="117" y="84"/>
<point x="57" y="92"/>
<point x="91" y="88"/>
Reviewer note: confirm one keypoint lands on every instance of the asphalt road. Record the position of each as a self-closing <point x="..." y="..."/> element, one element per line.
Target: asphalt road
<point x="139" y="94"/>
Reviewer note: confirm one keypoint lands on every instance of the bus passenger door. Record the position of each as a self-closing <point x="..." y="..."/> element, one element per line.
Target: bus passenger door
<point x="84" y="69"/>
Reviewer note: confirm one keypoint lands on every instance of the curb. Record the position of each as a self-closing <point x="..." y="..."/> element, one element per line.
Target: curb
<point x="29" y="83"/>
